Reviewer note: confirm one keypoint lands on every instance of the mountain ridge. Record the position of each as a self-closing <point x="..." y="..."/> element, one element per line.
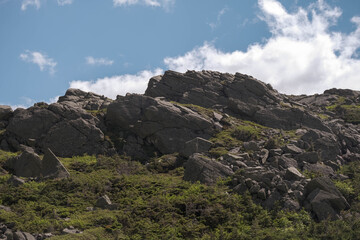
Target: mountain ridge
<point x="283" y="150"/>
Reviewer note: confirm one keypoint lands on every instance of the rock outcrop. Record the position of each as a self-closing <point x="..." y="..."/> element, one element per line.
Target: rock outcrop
<point x="157" y="123"/>
<point x="280" y="149"/>
<point x="29" y="164"/>
<point x="206" y="170"/>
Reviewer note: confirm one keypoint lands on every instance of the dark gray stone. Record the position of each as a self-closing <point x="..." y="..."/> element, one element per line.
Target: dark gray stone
<point x="291" y="148"/>
<point x="203" y="169"/>
<point x="196" y="145"/>
<point x="27" y="164"/>
<point x="293" y="174"/>
<point x="5" y="112"/>
<point x="51" y="167"/>
<point x="15" y="181"/>
<point x="310" y="157"/>
<point x="104" y="202"/>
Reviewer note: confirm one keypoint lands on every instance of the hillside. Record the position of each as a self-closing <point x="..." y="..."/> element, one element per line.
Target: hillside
<point x="200" y="155"/>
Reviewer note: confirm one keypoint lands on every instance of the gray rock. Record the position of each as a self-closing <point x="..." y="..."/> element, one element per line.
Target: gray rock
<point x="322" y="204"/>
<point x="203" y="169"/>
<point x="275" y="152"/>
<point x="196" y="145"/>
<point x="51" y="167"/>
<point x="5" y="112"/>
<point x="319" y="169"/>
<point x="78" y="130"/>
<point x="291" y="205"/>
<point x="5" y="208"/>
<point x="28" y="236"/>
<point x="104" y="202"/>
<point x="262" y="194"/>
<point x="19" y="236"/>
<point x="27" y="164"/>
<point x="291" y="148"/>
<point x="323" y="142"/>
<point x="165" y="125"/>
<point x="293" y="174"/>
<point x="9" y="234"/>
<point x="264" y="155"/>
<point x="310" y="157"/>
<point x="288" y="118"/>
<point x="71" y="231"/>
<point x="85" y="100"/>
<point x="251" y="146"/>
<point x="324" y="198"/>
<point x="286" y="162"/>
<point x="15" y="181"/>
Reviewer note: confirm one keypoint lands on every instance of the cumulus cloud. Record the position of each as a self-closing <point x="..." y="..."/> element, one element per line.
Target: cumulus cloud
<point x="118" y="85"/>
<point x="166" y="4"/>
<point x="303" y="55"/>
<point x="41" y="59"/>
<point x="98" y="61"/>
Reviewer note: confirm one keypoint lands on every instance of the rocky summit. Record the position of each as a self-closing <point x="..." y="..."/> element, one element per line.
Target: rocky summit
<point x="284" y="153"/>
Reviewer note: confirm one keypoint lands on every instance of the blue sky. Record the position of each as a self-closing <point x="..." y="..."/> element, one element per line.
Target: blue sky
<point x="114" y="46"/>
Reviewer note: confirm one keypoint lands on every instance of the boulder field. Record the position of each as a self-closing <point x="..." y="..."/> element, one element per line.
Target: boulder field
<point x="280" y="148"/>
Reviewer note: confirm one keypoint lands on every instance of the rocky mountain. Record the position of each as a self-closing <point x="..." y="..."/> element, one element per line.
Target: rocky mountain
<point x="285" y="151"/>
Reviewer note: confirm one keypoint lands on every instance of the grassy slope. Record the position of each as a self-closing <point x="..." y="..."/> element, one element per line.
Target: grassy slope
<point x="151" y="206"/>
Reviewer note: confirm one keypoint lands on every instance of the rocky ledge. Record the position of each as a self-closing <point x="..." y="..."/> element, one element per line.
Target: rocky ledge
<point x="284" y="150"/>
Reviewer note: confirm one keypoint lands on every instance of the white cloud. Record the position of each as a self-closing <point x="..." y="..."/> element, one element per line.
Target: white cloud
<point x="166" y="4"/>
<point x="214" y="25"/>
<point x="64" y="2"/>
<point x="37" y="3"/>
<point x="98" y="61"/>
<point x="26" y="3"/>
<point x="118" y="85"/>
<point x="42" y="60"/>
<point x="303" y="55"/>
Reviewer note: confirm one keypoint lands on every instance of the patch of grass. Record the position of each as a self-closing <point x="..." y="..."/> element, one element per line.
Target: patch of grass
<point x="164" y="163"/>
<point x="246" y="133"/>
<point x="207" y="112"/>
<point x="4" y="156"/>
<point x="346" y="188"/>
<point x="323" y="116"/>
<point x="218" y="152"/>
<point x="350" y="113"/>
<point x="97" y="112"/>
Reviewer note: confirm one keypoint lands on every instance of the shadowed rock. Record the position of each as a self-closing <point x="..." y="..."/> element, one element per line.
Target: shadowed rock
<point x="51" y="167"/>
<point x="203" y="169"/>
<point x="27" y="164"/>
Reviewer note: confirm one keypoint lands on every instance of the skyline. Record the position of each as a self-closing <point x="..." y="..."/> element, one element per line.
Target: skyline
<point x="115" y="47"/>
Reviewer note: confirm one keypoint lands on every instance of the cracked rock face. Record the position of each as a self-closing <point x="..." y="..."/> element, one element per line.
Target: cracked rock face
<point x="159" y="123"/>
<point x="67" y="130"/>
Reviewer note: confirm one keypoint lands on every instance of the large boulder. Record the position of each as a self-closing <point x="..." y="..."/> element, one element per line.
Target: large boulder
<point x="5" y="112"/>
<point x="288" y="118"/>
<point x="323" y="142"/>
<point x="86" y="100"/>
<point x="67" y="130"/>
<point x="165" y="125"/>
<point x="210" y="88"/>
<point x="51" y="167"/>
<point x="324" y="199"/>
<point x="239" y="95"/>
<point x="27" y="164"/>
<point x="204" y="169"/>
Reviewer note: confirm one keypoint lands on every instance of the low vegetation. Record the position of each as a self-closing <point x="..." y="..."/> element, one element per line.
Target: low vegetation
<point x="350" y="113"/>
<point x="155" y="203"/>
